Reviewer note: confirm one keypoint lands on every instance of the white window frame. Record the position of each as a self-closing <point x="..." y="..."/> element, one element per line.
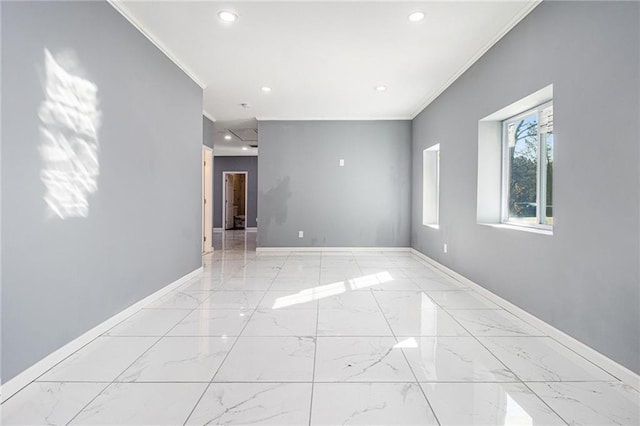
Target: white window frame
<point x="541" y="172"/>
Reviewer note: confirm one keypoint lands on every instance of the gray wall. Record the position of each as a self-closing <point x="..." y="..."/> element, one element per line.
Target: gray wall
<point x="61" y="277"/>
<point x="584" y="279"/>
<point x="208" y="132"/>
<point x="302" y="187"/>
<point x="236" y="164"/>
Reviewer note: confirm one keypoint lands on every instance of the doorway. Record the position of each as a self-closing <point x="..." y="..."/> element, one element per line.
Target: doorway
<point x="207" y="197"/>
<point x="234" y="195"/>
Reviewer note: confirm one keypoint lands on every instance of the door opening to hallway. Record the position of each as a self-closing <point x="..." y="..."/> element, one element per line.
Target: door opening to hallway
<point x="235" y="200"/>
<point x="207" y="197"/>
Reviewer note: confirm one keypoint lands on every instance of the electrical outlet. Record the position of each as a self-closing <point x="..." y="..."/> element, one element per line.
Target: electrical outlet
<point x="445" y="247"/>
<point x="300" y="234"/>
<point x="342" y="162"/>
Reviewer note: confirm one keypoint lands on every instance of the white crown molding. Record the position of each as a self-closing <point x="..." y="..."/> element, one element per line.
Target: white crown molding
<point x="607" y="364"/>
<point x="209" y="116"/>
<point x="526" y="9"/>
<point x="116" y="4"/>
<point x="11" y="387"/>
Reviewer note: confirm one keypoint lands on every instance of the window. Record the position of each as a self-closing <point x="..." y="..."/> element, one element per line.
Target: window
<point x="431" y="186"/>
<point x="515" y="165"/>
<point x="527" y="171"/>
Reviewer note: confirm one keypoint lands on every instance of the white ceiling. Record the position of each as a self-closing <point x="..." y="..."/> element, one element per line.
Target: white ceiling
<point x="234" y="146"/>
<point x="323" y="60"/>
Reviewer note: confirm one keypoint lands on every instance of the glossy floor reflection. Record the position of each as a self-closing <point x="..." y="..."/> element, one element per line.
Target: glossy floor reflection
<point x="323" y="339"/>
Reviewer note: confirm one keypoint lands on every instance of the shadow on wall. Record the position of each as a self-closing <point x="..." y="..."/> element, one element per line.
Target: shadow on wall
<point x="274" y="203"/>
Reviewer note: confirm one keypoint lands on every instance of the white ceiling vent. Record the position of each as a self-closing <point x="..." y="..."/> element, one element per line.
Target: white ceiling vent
<point x="245" y="135"/>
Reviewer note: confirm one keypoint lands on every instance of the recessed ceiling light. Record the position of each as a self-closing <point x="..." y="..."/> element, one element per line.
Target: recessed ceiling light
<point x="381" y="88"/>
<point x="227" y="16"/>
<point x="244" y="148"/>
<point x="266" y="89"/>
<point x="227" y="137"/>
<point x="416" y="16"/>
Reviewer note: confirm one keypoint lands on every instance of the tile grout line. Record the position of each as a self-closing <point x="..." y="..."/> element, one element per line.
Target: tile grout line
<point x="545" y="402"/>
<point x="315" y="346"/>
<point x="354" y="381"/>
<point x="82" y="347"/>
<point x="189" y="312"/>
<point x="232" y="346"/>
<point x="426" y="381"/>
<point x="73" y="353"/>
<point x="214" y="263"/>
<point x="521" y="319"/>
<point x="127" y="367"/>
<point x="404" y="356"/>
<point x="519" y="379"/>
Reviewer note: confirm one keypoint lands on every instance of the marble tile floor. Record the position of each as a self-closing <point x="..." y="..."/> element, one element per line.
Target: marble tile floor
<point x="368" y="338"/>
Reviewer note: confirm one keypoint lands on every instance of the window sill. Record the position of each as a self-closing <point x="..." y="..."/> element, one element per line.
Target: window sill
<point x="519" y="228"/>
<point x="432" y="225"/>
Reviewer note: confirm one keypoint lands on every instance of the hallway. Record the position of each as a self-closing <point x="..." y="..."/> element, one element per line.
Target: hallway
<point x="322" y="338"/>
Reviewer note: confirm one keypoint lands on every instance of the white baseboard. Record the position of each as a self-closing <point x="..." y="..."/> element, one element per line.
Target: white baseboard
<point x="218" y="229"/>
<point x="251" y="229"/>
<point x="621" y="372"/>
<point x="12" y="386"/>
<point x="330" y="249"/>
